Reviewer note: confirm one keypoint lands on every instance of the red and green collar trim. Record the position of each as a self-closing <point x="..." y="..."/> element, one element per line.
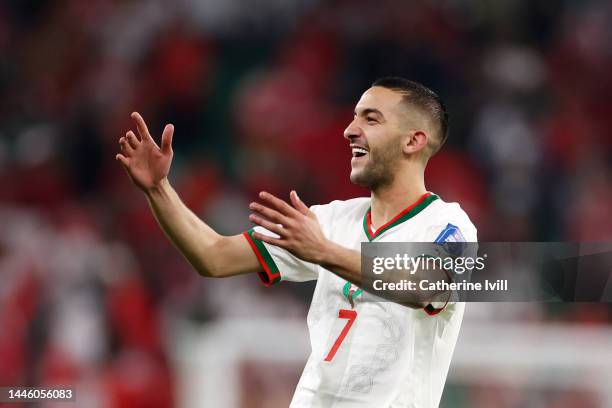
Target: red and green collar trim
<point x="409" y="212"/>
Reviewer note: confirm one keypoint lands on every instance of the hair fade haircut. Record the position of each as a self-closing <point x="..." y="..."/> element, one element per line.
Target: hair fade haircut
<point x="423" y="98"/>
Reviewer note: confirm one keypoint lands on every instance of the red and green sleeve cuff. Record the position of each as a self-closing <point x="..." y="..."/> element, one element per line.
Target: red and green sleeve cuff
<point x="270" y="274"/>
<point x="430" y="309"/>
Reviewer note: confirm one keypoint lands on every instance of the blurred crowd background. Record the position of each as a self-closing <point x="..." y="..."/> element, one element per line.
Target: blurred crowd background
<point x="260" y="93"/>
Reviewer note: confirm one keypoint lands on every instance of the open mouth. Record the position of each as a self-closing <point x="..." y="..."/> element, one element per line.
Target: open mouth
<point x="358" y="151"/>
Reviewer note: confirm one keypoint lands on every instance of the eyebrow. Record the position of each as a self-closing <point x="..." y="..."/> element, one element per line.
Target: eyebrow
<point x="367" y="111"/>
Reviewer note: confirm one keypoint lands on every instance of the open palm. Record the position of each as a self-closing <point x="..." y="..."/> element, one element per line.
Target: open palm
<point x="146" y="163"/>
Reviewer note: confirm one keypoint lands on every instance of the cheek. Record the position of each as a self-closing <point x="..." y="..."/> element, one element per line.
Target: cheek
<point x="376" y="136"/>
<point x="387" y="145"/>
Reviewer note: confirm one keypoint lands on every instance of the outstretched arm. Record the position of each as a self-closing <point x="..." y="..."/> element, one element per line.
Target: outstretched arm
<point x="300" y="233"/>
<point x="148" y="165"/>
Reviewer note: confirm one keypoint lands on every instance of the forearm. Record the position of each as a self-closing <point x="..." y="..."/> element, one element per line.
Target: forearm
<point x="190" y="235"/>
<point x="300" y="233"/>
<point x="346" y="263"/>
<point x="148" y="166"/>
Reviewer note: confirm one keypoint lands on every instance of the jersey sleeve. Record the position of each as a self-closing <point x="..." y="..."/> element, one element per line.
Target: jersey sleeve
<point x="279" y="264"/>
<point x="453" y="236"/>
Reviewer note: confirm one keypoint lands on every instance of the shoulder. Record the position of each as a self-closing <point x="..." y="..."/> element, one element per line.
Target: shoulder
<point x="450" y="210"/>
<point x="338" y="209"/>
<point x="450" y="217"/>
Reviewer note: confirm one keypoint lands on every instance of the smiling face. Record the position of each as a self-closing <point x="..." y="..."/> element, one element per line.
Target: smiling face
<point x="380" y="137"/>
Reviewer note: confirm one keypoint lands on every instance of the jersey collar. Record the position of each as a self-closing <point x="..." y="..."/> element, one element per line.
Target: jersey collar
<point x="407" y="213"/>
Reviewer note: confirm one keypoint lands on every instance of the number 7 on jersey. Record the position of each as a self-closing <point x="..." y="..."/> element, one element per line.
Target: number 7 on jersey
<point x="351" y="315"/>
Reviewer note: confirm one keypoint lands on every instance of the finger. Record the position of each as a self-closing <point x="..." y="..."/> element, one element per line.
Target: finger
<point x="278" y="204"/>
<point x="142" y="127"/>
<point x="126" y="149"/>
<point x="166" y="140"/>
<point x="132" y="140"/>
<point x="298" y="203"/>
<point x="269" y="240"/>
<point x="124" y="160"/>
<point x="269" y="213"/>
<point x="270" y="226"/>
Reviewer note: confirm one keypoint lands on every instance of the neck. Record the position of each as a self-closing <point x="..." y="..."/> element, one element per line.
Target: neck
<point x="390" y="200"/>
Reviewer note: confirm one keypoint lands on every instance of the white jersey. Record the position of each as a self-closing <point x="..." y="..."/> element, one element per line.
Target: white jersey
<point x="375" y="354"/>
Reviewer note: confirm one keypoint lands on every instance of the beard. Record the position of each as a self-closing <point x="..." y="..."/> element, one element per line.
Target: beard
<point x="380" y="169"/>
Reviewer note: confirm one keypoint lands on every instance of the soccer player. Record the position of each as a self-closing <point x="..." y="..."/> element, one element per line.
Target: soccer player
<point x="364" y="354"/>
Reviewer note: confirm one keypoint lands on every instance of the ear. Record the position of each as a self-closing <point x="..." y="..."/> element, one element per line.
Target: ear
<point x="415" y="141"/>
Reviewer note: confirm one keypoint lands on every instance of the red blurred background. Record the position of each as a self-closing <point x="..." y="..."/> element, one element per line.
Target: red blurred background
<point x="259" y="98"/>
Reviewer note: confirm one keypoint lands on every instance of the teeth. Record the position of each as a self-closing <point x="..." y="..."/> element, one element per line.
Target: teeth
<point x="359" y="150"/>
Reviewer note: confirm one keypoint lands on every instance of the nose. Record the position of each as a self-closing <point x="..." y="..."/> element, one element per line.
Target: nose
<point x="352" y="131"/>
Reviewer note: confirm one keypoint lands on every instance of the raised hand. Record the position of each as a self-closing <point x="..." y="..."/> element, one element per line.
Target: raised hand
<point x="296" y="225"/>
<point x="146" y="163"/>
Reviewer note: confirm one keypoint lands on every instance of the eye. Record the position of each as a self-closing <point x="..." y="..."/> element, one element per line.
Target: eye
<point x="371" y="119"/>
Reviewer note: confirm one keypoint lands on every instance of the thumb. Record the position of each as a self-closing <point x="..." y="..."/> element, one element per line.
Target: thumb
<point x="298" y="203"/>
<point x="166" y="139"/>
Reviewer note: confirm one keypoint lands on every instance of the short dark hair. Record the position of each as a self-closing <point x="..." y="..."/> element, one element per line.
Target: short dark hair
<point x="423" y="98"/>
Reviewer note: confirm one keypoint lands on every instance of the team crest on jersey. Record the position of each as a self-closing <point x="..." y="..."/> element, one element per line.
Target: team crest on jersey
<point x="452" y="240"/>
<point x="351" y="291"/>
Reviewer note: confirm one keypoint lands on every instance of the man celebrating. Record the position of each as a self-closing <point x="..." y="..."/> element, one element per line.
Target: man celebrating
<point x="364" y="354"/>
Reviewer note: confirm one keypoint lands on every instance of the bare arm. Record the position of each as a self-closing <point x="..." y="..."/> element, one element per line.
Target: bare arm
<point x="346" y="263"/>
<point x="148" y="165"/>
<point x="211" y="254"/>
<point x="301" y="235"/>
